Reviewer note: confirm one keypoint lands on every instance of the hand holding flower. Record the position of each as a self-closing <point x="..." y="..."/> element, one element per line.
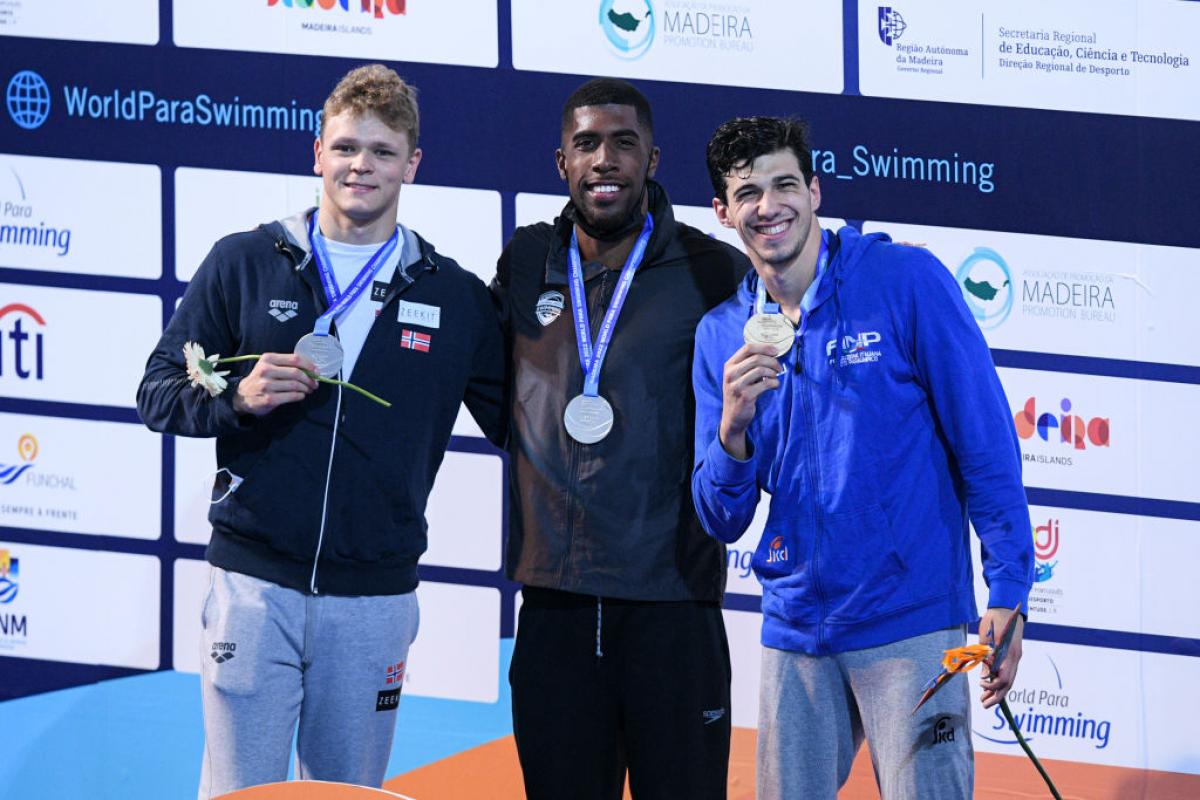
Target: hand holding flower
<point x="996" y="682"/>
<point x="277" y="379"/>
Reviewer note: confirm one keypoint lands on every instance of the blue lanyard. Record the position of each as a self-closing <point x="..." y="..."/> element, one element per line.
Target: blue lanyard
<point x="339" y="302"/>
<point x="592" y="359"/>
<point x="761" y="306"/>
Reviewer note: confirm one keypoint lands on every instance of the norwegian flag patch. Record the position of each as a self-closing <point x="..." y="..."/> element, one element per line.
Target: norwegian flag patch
<point x="415" y="340"/>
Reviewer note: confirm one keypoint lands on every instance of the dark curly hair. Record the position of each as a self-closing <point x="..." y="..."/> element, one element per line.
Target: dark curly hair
<point x="736" y="143"/>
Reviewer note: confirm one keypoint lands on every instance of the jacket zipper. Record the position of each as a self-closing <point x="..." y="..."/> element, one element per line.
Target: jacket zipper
<point x="814" y="461"/>
<point x="337" y="417"/>
<point x="573" y="467"/>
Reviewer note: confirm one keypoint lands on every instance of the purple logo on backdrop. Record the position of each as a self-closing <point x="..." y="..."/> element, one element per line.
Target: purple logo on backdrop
<point x="891" y="25"/>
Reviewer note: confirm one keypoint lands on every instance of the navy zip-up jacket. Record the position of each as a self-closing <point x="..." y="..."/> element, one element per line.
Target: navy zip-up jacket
<point x="889" y="431"/>
<point x="329" y="493"/>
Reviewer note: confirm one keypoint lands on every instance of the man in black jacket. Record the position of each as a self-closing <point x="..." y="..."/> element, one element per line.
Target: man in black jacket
<point x="318" y="508"/>
<point x="621" y="660"/>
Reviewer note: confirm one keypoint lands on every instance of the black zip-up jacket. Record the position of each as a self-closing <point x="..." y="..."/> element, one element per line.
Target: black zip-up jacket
<point x="333" y="488"/>
<point x="615" y="518"/>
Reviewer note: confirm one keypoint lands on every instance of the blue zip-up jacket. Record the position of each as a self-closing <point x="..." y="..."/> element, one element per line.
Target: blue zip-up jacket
<point x="889" y="431"/>
<point x="331" y="491"/>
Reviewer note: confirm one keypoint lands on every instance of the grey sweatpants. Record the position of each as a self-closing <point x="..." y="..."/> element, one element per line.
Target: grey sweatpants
<point x="815" y="710"/>
<point x="272" y="657"/>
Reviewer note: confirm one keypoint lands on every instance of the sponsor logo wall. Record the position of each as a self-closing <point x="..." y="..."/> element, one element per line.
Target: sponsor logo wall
<point x="1140" y="57"/>
<point x="750" y="43"/>
<point x="118" y="175"/>
<point x="463" y="32"/>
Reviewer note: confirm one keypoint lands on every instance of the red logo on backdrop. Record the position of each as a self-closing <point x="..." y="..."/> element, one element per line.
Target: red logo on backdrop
<point x="22" y="353"/>
<point x="374" y="7"/>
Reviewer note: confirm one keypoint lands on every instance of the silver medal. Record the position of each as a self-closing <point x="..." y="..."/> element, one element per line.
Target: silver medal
<point x="324" y="351"/>
<point x="588" y="419"/>
<point x="773" y="329"/>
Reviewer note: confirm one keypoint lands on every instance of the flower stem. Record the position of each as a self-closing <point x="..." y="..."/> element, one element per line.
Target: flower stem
<point x="314" y="376"/>
<point x="1029" y="752"/>
<point x="349" y="385"/>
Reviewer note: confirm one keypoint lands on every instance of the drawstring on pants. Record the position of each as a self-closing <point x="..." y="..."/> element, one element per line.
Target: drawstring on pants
<point x="599" y="619"/>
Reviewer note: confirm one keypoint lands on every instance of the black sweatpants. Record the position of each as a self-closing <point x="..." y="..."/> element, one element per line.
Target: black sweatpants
<point x="603" y="685"/>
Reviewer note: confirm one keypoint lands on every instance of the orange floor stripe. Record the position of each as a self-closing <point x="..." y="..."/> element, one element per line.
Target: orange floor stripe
<point x="492" y="771"/>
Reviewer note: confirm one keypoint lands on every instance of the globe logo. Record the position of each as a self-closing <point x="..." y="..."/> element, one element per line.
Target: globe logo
<point x="986" y="286"/>
<point x="628" y="26"/>
<point x="28" y="99"/>
<point x="891" y="25"/>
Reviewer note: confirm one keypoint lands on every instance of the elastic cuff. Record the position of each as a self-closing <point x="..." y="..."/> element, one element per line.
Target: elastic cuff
<point x="1006" y="594"/>
<point x="727" y="470"/>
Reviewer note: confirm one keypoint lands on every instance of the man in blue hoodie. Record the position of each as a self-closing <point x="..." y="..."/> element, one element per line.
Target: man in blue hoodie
<point x="847" y="379"/>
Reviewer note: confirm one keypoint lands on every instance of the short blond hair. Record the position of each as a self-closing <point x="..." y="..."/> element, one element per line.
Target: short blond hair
<point x="376" y="89"/>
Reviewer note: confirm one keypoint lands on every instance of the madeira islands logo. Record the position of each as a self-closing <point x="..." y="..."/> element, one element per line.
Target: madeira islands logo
<point x="628" y="25"/>
<point x="986" y="283"/>
<point x="27" y="449"/>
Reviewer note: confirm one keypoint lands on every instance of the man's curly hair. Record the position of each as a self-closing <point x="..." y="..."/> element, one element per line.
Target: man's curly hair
<point x="736" y="143"/>
<point x="376" y="89"/>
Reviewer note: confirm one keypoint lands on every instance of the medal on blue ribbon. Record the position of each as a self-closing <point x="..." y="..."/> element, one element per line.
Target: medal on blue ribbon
<point x="589" y="417"/>
<point x="768" y="325"/>
<point x="320" y="347"/>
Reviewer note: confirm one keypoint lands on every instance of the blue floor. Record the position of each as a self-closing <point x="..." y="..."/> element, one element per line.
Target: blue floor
<point x="142" y="737"/>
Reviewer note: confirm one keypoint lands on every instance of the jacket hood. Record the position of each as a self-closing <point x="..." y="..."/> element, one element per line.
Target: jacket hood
<point x="660" y="238"/>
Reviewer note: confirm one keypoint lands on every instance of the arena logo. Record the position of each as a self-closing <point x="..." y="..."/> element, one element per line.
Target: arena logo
<point x="891" y="25"/>
<point x="1044" y="709"/>
<point x="17" y="228"/>
<point x="376" y="8"/>
<point x="18" y="356"/>
<point x="986" y="283"/>
<point x="27" y="98"/>
<point x="1073" y="430"/>
<point x="27" y="449"/>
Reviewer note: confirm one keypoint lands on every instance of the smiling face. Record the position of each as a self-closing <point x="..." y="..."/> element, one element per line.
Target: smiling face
<point x="605" y="158"/>
<point x="362" y="163"/>
<point x="772" y="208"/>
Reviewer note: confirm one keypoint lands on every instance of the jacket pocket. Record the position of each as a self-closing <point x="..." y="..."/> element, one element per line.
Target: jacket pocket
<point x="862" y="574"/>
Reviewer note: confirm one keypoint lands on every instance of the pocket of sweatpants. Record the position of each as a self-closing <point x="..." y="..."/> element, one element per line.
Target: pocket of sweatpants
<point x="861" y="572"/>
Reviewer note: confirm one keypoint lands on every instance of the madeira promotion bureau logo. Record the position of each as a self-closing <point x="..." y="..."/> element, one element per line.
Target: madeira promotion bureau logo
<point x="27" y="98"/>
<point x="27" y="449"/>
<point x="628" y="26"/>
<point x="987" y="288"/>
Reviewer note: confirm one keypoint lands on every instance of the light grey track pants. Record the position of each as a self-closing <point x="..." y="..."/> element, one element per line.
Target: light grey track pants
<point x="815" y="710"/>
<point x="273" y="657"/>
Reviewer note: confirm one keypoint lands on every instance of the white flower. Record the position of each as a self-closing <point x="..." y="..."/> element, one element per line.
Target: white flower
<point x="202" y="370"/>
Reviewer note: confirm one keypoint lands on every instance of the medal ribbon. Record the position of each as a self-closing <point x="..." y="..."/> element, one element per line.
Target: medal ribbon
<point x="339" y="302"/>
<point x="761" y="306"/>
<point x="592" y="359"/>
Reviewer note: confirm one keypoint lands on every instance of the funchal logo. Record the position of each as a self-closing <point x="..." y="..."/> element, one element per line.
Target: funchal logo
<point x="27" y="449"/>
<point x="374" y="7"/>
<point x="891" y="25"/>
<point x="986" y="283"/>
<point x="28" y="99"/>
<point x="628" y="25"/>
